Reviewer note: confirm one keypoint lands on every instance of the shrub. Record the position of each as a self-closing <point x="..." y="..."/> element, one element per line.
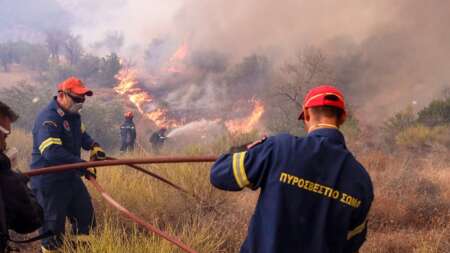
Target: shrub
<point x="420" y="136"/>
<point x="397" y="123"/>
<point x="436" y="113"/>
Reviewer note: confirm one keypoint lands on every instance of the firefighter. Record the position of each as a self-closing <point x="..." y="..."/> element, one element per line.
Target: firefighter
<point x="128" y="133"/>
<point x="19" y="209"/>
<point x="314" y="195"/>
<point x="157" y="139"/>
<point x="58" y="136"/>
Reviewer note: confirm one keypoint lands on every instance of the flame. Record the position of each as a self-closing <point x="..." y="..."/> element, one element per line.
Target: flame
<point x="181" y="53"/>
<point x="176" y="61"/>
<point x="127" y="81"/>
<point x="128" y="86"/>
<point x="246" y="125"/>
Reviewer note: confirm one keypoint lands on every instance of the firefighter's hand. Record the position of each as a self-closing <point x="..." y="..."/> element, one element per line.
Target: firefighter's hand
<point x="90" y="172"/>
<point x="97" y="153"/>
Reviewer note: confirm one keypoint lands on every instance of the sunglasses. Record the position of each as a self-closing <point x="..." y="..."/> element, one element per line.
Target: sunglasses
<point x="4" y="131"/>
<point x="76" y="99"/>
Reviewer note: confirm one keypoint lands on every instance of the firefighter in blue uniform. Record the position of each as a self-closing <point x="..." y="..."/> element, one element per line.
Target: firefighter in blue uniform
<point x="128" y="133"/>
<point x="58" y="136"/>
<point x="314" y="195"/>
<point x="157" y="139"/>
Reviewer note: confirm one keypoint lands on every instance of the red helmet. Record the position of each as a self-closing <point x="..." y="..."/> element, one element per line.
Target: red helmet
<point x="323" y="95"/>
<point x="128" y="115"/>
<point x="75" y="86"/>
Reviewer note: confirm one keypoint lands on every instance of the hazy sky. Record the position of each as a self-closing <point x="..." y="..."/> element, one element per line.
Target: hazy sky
<point x="138" y="20"/>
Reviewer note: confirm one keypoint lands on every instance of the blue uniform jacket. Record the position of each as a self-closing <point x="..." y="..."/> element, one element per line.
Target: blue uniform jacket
<point x="314" y="195"/>
<point x="58" y="137"/>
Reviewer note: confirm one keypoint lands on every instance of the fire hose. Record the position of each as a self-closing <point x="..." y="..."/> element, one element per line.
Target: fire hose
<point x="131" y="163"/>
<point x="160" y="178"/>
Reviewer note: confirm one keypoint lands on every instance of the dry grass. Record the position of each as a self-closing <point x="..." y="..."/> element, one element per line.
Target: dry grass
<point x="410" y="212"/>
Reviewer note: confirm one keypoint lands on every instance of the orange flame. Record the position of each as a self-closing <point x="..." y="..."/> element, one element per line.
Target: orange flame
<point x="176" y="61"/>
<point x="128" y="85"/>
<point x="181" y="53"/>
<point x="246" y="125"/>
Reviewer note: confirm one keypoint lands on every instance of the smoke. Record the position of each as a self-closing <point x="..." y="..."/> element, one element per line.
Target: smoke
<point x="245" y="27"/>
<point x="403" y="62"/>
<point x="386" y="53"/>
<point x="139" y="21"/>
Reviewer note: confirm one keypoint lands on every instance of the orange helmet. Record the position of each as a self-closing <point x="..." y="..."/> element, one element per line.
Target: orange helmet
<point x="75" y="86"/>
<point x="128" y="115"/>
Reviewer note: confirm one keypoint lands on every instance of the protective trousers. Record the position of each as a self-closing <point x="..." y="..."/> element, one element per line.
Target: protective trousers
<point x="61" y="199"/>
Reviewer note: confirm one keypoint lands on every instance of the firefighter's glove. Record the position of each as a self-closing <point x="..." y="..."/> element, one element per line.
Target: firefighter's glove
<point x="97" y="154"/>
<point x="90" y="173"/>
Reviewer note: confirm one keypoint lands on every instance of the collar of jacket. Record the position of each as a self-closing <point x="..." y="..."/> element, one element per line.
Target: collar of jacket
<point x="332" y="134"/>
<point x="61" y="112"/>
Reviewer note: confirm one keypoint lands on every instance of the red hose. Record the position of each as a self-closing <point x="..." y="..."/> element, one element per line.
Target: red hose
<point x="129" y="162"/>
<point x="137" y="219"/>
<point x="104" y="163"/>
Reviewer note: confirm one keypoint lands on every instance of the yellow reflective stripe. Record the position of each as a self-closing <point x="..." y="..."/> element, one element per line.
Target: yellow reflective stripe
<point x="96" y="149"/>
<point x="360" y="228"/>
<point x="83" y="128"/>
<point x="235" y="169"/>
<point x="239" y="169"/>
<point x="48" y="142"/>
<point x="243" y="174"/>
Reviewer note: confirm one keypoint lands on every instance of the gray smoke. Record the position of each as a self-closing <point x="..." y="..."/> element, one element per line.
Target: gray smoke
<point x="385" y="53"/>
